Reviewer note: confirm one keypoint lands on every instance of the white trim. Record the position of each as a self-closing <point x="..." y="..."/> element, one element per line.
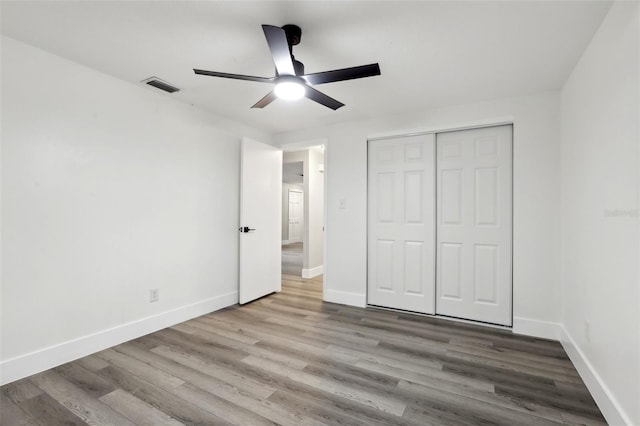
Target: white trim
<point x="44" y="359"/>
<point x="477" y="124"/>
<point x="537" y="328"/>
<point x="609" y="406"/>
<point x="312" y="272"/>
<point x="303" y="145"/>
<point x="470" y="322"/>
<point x="345" y="297"/>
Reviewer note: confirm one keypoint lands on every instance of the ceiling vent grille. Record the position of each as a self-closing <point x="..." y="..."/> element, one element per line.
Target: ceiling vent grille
<point x="159" y="84"/>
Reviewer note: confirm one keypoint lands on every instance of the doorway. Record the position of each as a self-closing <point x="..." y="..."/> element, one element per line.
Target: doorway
<point x="292" y="215"/>
<point x="292" y="245"/>
<point x="303" y="212"/>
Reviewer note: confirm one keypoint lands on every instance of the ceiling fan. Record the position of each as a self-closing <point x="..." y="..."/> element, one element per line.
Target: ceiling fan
<point x="291" y="82"/>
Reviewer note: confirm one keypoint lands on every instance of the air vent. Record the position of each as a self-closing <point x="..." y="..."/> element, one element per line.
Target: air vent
<point x="159" y="84"/>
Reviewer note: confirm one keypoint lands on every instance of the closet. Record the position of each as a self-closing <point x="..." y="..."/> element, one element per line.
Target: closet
<point x="440" y="224"/>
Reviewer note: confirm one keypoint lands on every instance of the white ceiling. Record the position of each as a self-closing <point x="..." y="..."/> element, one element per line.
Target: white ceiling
<point x="431" y="53"/>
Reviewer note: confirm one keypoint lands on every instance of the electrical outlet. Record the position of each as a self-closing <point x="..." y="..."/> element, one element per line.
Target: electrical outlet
<point x="154" y="295"/>
<point x="587" y="331"/>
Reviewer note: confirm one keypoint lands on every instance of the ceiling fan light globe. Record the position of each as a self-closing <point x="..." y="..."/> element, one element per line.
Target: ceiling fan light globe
<point x="289" y="90"/>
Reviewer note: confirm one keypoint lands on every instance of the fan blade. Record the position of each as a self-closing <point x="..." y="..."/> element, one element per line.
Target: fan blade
<point x="235" y="76"/>
<point x="343" y="74"/>
<point x="270" y="97"/>
<point x="277" y="41"/>
<point x="323" y="99"/>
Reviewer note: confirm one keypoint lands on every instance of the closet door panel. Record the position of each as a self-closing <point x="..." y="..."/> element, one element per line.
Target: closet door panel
<point x="401" y="223"/>
<point x="473" y="198"/>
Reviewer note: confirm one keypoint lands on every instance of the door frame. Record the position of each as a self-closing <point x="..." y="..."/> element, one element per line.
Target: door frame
<point x="478" y="125"/>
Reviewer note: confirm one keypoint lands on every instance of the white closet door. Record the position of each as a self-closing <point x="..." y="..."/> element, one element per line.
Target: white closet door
<point x="401" y="223"/>
<point x="474" y="224"/>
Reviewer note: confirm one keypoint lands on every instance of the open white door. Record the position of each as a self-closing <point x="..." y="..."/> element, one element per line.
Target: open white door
<point x="260" y="220"/>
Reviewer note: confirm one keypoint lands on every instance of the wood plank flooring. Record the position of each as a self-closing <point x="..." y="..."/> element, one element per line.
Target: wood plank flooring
<point x="291" y="359"/>
<point x="292" y="259"/>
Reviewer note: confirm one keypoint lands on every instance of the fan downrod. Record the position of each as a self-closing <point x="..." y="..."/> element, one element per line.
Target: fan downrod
<point x="294" y="35"/>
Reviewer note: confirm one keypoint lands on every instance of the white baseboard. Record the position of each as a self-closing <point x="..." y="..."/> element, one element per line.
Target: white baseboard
<point x="43" y="359"/>
<point x="609" y="406"/>
<point x="345" y="298"/>
<point x="537" y="328"/>
<point x="313" y="272"/>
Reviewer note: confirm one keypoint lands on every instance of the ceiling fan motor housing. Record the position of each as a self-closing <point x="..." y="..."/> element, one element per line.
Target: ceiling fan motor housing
<point x="293" y="33"/>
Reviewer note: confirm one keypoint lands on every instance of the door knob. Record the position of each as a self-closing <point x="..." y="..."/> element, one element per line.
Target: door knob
<point x="245" y="229"/>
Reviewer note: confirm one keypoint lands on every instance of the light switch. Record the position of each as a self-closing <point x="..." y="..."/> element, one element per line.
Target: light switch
<point x="342" y="204"/>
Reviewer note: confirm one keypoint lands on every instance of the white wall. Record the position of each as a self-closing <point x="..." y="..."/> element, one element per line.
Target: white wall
<point x="537" y="294"/>
<point x="600" y="220"/>
<point x="108" y="190"/>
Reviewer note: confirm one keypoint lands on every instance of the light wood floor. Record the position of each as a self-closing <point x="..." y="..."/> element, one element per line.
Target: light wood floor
<point x="292" y="359"/>
<point x="292" y="259"/>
